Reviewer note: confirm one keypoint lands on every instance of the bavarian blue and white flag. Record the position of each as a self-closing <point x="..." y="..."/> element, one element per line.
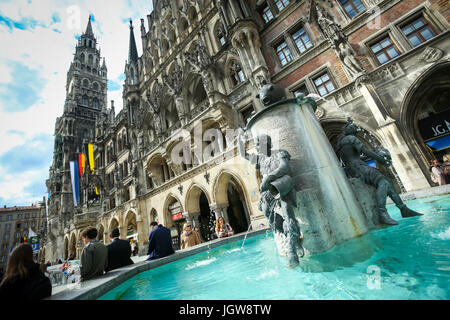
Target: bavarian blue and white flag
<point x="75" y="182"/>
<point x="33" y="240"/>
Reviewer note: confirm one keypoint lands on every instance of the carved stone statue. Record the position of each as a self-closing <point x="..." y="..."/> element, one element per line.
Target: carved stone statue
<point x="349" y="149"/>
<point x="330" y="29"/>
<point x="277" y="191"/>
<point x="349" y="60"/>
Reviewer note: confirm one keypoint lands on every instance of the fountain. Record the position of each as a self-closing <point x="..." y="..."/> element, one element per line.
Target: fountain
<point x="314" y="194"/>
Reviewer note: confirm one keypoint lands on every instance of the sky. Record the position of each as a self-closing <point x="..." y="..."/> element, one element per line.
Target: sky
<point x="37" y="43"/>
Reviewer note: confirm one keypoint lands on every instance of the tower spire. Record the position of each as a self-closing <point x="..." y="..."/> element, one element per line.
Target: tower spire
<point x="89" y="28"/>
<point x="132" y="52"/>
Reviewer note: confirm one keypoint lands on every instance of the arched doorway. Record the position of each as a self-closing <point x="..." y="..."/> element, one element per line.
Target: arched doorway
<point x="333" y="131"/>
<point x="154" y="216"/>
<point x="425" y="113"/>
<point x="175" y="220"/>
<point x="198" y="205"/>
<point x="206" y="219"/>
<point x="131" y="228"/>
<point x="236" y="207"/>
<point x="230" y="193"/>
<point x="113" y="224"/>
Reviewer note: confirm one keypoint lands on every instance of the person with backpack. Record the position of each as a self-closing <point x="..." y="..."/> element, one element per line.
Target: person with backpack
<point x="23" y="279"/>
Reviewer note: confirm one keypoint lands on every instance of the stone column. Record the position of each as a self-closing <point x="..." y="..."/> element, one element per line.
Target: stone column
<point x="123" y="232"/>
<point x="195" y="220"/>
<point x="220" y="210"/>
<point x="140" y="225"/>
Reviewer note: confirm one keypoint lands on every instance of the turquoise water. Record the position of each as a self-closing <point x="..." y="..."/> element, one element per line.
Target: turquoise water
<point x="408" y="261"/>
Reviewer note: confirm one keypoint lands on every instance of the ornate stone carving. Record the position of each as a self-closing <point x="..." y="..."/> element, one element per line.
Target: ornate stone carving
<point x="431" y="54"/>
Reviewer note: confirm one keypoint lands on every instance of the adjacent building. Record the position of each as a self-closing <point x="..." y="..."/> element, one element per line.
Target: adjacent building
<point x="15" y="224"/>
<point x="170" y="155"/>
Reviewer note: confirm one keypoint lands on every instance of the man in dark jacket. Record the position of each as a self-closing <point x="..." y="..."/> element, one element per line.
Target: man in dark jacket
<point x="94" y="258"/>
<point x="159" y="242"/>
<point x="119" y="251"/>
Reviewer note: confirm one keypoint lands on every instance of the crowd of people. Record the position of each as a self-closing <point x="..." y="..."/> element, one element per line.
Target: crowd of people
<point x="26" y="280"/>
<point x="440" y="173"/>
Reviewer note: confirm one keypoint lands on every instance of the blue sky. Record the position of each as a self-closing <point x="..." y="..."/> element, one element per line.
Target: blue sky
<point x="38" y="39"/>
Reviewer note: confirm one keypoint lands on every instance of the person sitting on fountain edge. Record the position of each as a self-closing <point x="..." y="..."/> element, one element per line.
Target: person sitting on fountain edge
<point x="119" y="251"/>
<point x="223" y="229"/>
<point x="349" y="149"/>
<point x="159" y="242"/>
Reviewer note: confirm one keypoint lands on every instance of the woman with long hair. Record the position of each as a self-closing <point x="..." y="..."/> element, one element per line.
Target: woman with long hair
<point x="223" y="229"/>
<point x="23" y="279"/>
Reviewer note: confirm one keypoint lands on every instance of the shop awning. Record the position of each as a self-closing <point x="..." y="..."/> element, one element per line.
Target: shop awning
<point x="439" y="143"/>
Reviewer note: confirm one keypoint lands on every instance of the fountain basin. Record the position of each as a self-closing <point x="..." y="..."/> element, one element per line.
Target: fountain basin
<point x="408" y="261"/>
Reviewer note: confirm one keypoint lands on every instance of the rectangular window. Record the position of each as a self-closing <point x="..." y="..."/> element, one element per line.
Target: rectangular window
<point x="25" y="224"/>
<point x="353" y="7"/>
<point x="384" y="50"/>
<point x="6" y="237"/>
<point x="7" y="226"/>
<point x="19" y="216"/>
<point x="33" y="224"/>
<point x="284" y="54"/>
<point x="9" y="217"/>
<point x="266" y="14"/>
<point x="281" y="4"/>
<point x="301" y="39"/>
<point x="323" y="84"/>
<point x="418" y="31"/>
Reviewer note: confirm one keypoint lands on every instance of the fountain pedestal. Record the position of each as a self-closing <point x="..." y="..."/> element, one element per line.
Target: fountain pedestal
<point x="327" y="208"/>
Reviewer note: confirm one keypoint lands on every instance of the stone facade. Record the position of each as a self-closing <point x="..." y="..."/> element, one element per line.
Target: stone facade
<point x="202" y="65"/>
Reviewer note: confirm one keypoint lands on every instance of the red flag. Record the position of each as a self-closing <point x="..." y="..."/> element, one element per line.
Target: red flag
<point x="81" y="165"/>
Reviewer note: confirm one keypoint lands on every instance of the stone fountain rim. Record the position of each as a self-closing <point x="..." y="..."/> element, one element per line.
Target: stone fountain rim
<point x="273" y="105"/>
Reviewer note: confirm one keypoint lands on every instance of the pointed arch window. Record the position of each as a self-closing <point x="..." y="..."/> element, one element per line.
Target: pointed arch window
<point x="90" y="59"/>
<point x="236" y="73"/>
<point x="86" y="83"/>
<point x="95" y="103"/>
<point x="85" y="100"/>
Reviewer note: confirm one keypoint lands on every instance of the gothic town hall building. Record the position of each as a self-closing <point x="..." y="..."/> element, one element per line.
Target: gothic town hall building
<point x="384" y="63"/>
